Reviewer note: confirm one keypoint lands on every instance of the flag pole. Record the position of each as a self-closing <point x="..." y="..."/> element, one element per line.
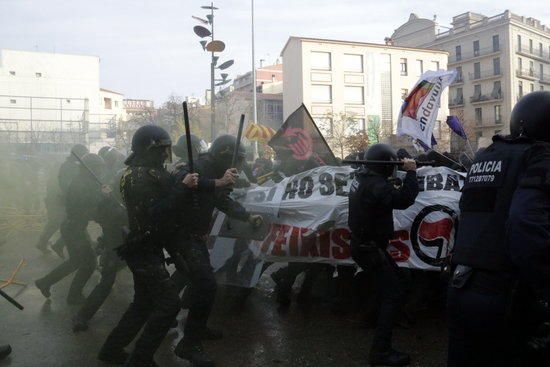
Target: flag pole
<point x="471" y="149"/>
<point x="445" y="157"/>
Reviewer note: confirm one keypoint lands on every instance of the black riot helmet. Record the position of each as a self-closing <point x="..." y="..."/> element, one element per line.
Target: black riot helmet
<point x="80" y="150"/>
<point x="102" y="152"/>
<point x="198" y="146"/>
<point x="530" y="116"/>
<point x="222" y="150"/>
<point x="114" y="159"/>
<point x="381" y="152"/>
<point x="92" y="162"/>
<point x="151" y="146"/>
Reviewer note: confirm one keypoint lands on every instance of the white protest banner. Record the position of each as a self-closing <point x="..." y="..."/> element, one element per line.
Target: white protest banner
<point x="311" y="209"/>
<point x="419" y="111"/>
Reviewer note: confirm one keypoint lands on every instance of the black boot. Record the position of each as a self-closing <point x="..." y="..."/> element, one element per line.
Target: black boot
<point x="5" y="351"/>
<point x="117" y="358"/>
<point x="194" y="353"/>
<point x="389" y="358"/>
<point x="44" y="289"/>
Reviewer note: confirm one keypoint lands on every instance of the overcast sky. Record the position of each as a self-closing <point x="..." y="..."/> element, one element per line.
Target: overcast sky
<point x="148" y="49"/>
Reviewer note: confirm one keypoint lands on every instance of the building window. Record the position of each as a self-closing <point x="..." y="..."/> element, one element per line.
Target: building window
<point x="458" y="52"/>
<point x="496" y="66"/>
<point x="497" y="90"/>
<point x="496" y="43"/>
<point x="435" y="65"/>
<point x="12" y="73"/>
<point x="361" y="124"/>
<point x="420" y="64"/>
<point x="13" y="101"/>
<point x="541" y="71"/>
<point x="531" y="68"/>
<point x="476" y="48"/>
<point x="354" y="95"/>
<point x="325" y="124"/>
<point x="477" y="70"/>
<point x="321" y="93"/>
<point x="107" y="103"/>
<point x="542" y="87"/>
<point x="498" y="114"/>
<point x="38" y="75"/>
<point x="403" y="63"/>
<point x="320" y="60"/>
<point x="520" y="89"/>
<point x="459" y="99"/>
<point x="540" y="49"/>
<point x="478" y="116"/>
<point x="520" y="64"/>
<point x="519" y="43"/>
<point x="477" y="91"/>
<point x="353" y="63"/>
<point x="531" y="46"/>
<point x="459" y="77"/>
<point x="532" y="87"/>
<point x="116" y="103"/>
<point x="404" y="93"/>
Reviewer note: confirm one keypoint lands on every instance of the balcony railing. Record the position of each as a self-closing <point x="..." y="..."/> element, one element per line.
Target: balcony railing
<point x="534" y="52"/>
<point x="459" y="79"/>
<point x="464" y="56"/>
<point x="481" y="98"/>
<point x="484" y="74"/>
<point x="457" y="101"/>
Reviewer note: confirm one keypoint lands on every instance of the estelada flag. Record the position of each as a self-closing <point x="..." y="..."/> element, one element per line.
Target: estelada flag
<point x="299" y="143"/>
<point x="259" y="132"/>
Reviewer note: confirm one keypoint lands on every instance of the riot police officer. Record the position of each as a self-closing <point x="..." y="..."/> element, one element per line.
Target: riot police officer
<point x="67" y="171"/>
<point x="486" y="268"/>
<point x="198" y="146"/>
<point x="112" y="218"/>
<point x="83" y="195"/>
<point x="146" y="189"/>
<point x="216" y="178"/>
<point x="372" y="200"/>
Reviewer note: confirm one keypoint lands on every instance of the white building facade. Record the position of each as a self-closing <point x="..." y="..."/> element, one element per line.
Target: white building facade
<point x="364" y="81"/>
<point x="51" y="101"/>
<point x="499" y="59"/>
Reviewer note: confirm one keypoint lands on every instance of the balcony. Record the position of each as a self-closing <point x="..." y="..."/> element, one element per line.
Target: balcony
<point x="458" y="101"/>
<point x="527" y="74"/>
<point x="486" y="98"/>
<point x="485" y="74"/>
<point x="534" y="53"/>
<point x="474" y="54"/>
<point x="459" y="79"/>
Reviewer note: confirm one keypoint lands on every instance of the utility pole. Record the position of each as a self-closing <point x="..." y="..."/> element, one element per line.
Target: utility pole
<point x="212" y="82"/>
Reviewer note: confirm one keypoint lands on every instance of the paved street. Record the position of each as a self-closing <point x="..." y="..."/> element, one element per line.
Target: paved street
<point x="256" y="334"/>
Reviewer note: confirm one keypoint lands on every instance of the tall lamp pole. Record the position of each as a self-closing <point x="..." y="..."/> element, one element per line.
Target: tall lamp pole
<point x="254" y="98"/>
<point x="213" y="47"/>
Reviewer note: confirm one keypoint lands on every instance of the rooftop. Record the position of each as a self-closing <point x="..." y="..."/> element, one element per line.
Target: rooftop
<point x="365" y="44"/>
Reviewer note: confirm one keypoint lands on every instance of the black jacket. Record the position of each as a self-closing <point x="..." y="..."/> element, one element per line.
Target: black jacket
<point x="372" y="200"/>
<point x="195" y="212"/>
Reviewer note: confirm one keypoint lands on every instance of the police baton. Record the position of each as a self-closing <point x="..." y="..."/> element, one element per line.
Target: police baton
<point x="188" y="138"/>
<point x="11" y="300"/>
<point x="237" y="145"/>
<point x="389" y="163"/>
<point x="97" y="179"/>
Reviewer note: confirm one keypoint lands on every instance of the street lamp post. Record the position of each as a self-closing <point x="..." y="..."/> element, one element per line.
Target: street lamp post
<point x="213" y="47"/>
<point x="254" y="97"/>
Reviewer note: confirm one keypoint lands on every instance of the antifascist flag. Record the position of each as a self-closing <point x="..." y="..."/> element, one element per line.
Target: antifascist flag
<point x="420" y="108"/>
<point x="455" y="125"/>
<point x="300" y="145"/>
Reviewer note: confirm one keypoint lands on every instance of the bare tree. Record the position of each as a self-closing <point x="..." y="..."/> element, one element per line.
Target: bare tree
<point x="359" y="142"/>
<point x="338" y="128"/>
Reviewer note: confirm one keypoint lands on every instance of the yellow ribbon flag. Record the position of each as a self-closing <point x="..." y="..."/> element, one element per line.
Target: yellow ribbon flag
<point x="259" y="132"/>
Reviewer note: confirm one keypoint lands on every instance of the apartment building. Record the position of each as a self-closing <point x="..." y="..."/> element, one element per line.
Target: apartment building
<point x="498" y="58"/>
